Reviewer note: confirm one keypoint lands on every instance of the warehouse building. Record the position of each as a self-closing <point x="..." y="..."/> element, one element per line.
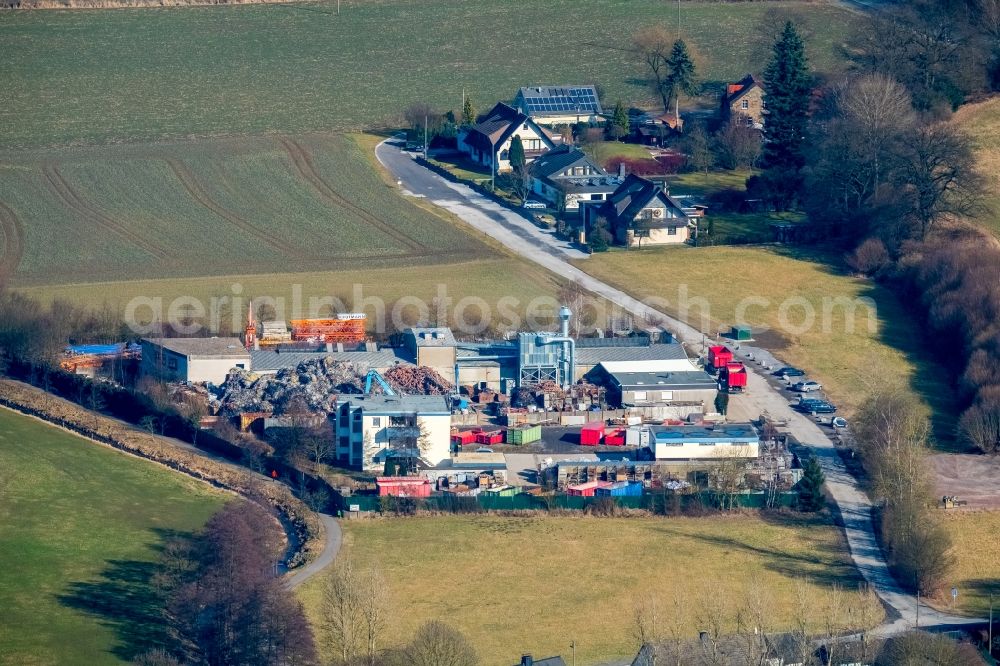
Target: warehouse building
<point x="691" y="442"/>
<point x="655" y="383"/>
<point x="368" y="428"/>
<point x="193" y="359"/>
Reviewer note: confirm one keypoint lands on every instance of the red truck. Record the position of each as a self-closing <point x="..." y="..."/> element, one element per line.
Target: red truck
<point x="734" y="377"/>
<point x="718" y="357"/>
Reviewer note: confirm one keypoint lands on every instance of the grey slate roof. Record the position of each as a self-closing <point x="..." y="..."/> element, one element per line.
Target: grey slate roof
<point x="664" y="381"/>
<point x="202" y="347"/>
<point x="266" y="360"/>
<point x="634" y="194"/>
<point x="595" y="355"/>
<point x="494" y="127"/>
<point x="559" y="159"/>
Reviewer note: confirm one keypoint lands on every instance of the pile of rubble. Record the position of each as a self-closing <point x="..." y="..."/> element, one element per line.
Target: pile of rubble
<point x="314" y="384"/>
<point x="417" y="380"/>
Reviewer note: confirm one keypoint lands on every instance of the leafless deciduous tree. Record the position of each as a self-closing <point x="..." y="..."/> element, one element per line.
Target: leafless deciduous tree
<point x="737" y="145"/>
<point x="876" y="109"/>
<point x="341" y="604"/>
<point x="438" y="644"/>
<point x="936" y="172"/>
<point x="653" y="45"/>
<point x="980" y="427"/>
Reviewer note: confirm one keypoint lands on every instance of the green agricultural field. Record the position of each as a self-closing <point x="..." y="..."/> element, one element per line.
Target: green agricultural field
<point x="81" y="525"/>
<point x="515" y="585"/>
<point x="982" y="122"/>
<point x="834" y="349"/>
<point x="215" y="207"/>
<point x="73" y="77"/>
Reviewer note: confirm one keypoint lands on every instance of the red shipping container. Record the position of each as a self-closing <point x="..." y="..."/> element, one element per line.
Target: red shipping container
<point x="615" y="438"/>
<point x="491" y="437"/>
<point x="403" y="486"/>
<point x="592" y="433"/>
<point x="582" y="489"/>
<point x="464" y="438"/>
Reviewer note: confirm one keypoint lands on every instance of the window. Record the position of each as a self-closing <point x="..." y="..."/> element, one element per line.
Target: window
<point x="666" y="395"/>
<point x="171" y="363"/>
<point x="577" y="171"/>
<point x="241" y="366"/>
<point x="745" y="104"/>
<point x="344" y="442"/>
<point x="671" y="231"/>
<point x="639" y="395"/>
<point x="376" y="422"/>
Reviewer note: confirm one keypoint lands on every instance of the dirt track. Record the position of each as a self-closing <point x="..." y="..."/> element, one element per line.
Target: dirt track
<point x="13" y="236"/>
<point x="65" y="193"/>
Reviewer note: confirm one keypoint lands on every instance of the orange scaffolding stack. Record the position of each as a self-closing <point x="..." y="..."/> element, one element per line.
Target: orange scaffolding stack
<point x="345" y="327"/>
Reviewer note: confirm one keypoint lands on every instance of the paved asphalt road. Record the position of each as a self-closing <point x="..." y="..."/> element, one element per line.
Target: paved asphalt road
<point x="334" y="538"/>
<point x="529" y="242"/>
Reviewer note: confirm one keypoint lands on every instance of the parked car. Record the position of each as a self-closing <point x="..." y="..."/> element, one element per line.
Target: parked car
<point x="789" y="372"/>
<point x="838" y="422"/>
<point x="531" y="203"/>
<point x="484" y="449"/>
<point x="813" y="406"/>
<point x="807" y="386"/>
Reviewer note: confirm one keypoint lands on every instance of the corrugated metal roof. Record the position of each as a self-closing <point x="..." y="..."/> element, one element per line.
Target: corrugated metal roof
<point x="266" y="360"/>
<point x="212" y="347"/>
<point x="660" y="352"/>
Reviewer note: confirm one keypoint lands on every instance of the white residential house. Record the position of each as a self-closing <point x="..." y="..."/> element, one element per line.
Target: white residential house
<point x="368" y="427"/>
<point x="488" y="141"/>
<point x="565" y="176"/>
<point x="193" y="359"/>
<point x="559" y="105"/>
<point x="640" y="212"/>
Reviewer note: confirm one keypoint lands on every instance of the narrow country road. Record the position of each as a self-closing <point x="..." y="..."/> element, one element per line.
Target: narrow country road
<point x="334" y="538"/>
<point x="523" y="238"/>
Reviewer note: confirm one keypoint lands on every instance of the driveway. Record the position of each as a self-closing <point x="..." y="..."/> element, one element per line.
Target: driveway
<point x="544" y="249"/>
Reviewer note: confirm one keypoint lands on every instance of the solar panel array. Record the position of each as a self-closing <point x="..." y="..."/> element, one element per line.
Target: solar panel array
<point x="555" y="100"/>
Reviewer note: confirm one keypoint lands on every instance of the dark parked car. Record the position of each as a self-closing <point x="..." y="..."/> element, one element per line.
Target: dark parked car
<point x="789" y="372"/>
<point x="812" y="406"/>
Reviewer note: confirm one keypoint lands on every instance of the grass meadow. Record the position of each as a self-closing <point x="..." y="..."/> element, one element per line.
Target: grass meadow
<point x="982" y="122"/>
<point x="143" y="74"/>
<point x="977" y="561"/>
<point x="81" y="525"/>
<point x="533" y="584"/>
<point x="836" y="354"/>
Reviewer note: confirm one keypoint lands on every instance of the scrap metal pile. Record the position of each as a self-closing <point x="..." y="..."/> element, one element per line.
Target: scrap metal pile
<point x="416" y="380"/>
<point x="315" y="385"/>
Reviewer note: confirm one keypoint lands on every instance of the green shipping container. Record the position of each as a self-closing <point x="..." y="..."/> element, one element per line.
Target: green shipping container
<point x="524" y="435"/>
<point x="741" y="333"/>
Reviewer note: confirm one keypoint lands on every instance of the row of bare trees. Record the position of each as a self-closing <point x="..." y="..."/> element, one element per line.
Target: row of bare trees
<point x="226" y="604"/>
<point x="746" y="626"/>
<point x="892" y="430"/>
<point x="358" y="613"/>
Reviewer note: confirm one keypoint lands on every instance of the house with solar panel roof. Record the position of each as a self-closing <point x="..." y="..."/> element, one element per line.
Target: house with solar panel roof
<point x="559" y="105"/>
